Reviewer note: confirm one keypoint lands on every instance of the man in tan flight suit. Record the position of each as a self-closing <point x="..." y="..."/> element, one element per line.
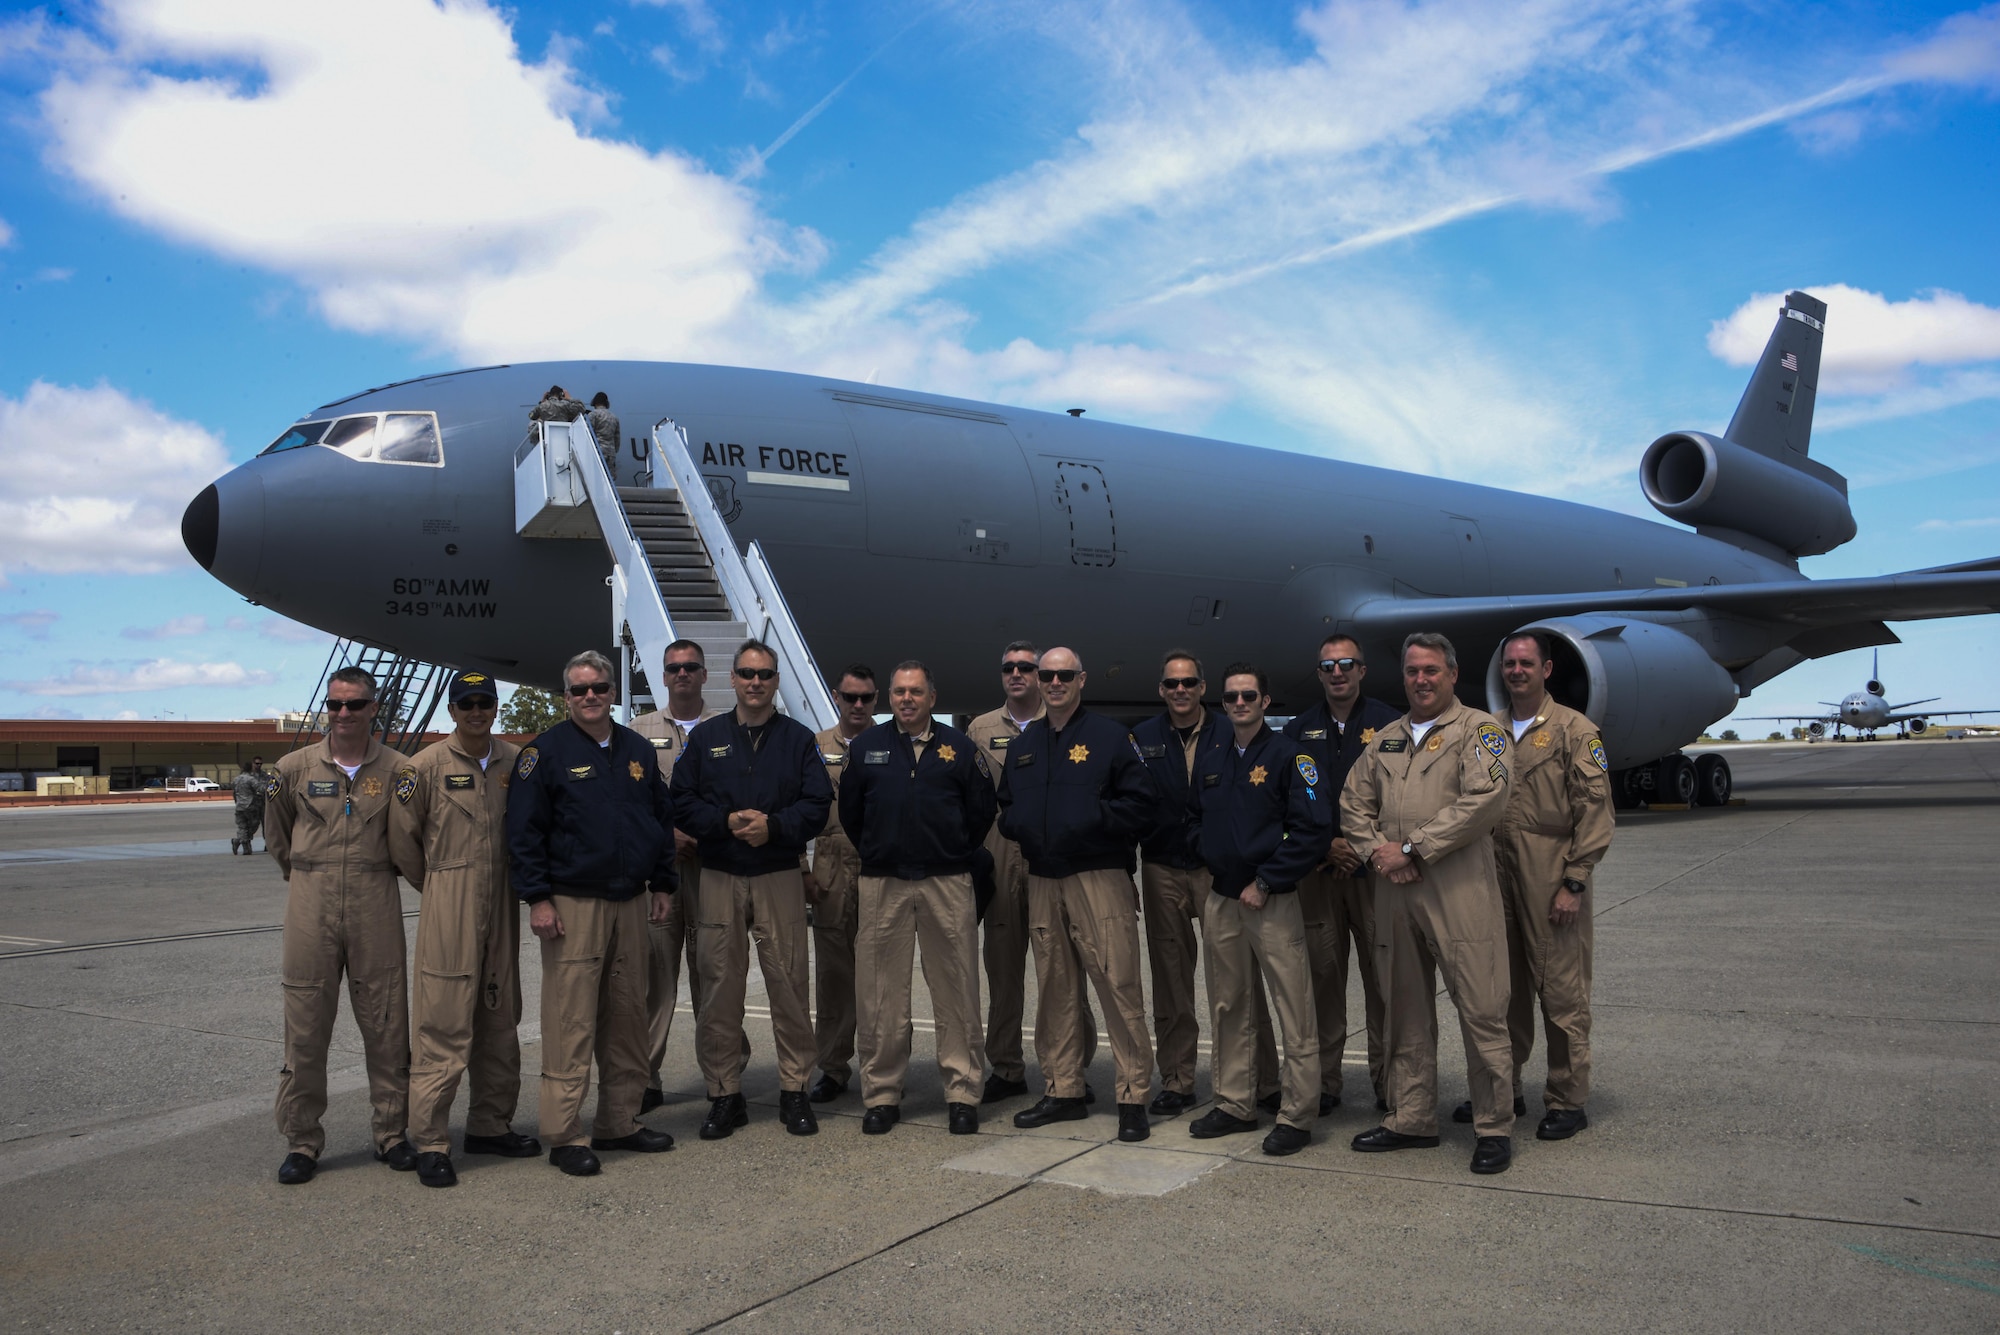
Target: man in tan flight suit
<point x="1006" y="920"/>
<point x="1557" y="826"/>
<point x="1420" y="806"/>
<point x="448" y="837"/>
<point x="830" y="891"/>
<point x="327" y="824"/>
<point x="685" y="670"/>
<point x="916" y="801"/>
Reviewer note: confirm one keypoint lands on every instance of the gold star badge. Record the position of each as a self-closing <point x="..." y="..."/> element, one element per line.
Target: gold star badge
<point x="947" y="754"/>
<point x="1079" y="753"/>
<point x="371" y="787"/>
<point x="1434" y="743"/>
<point x="1541" y="740"/>
<point x="1258" y="775"/>
<point x="638" y="770"/>
<point x="1367" y="736"/>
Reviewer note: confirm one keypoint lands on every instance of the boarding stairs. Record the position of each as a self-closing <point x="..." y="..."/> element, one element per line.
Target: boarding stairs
<point x="409" y="690"/>
<point x="676" y="572"/>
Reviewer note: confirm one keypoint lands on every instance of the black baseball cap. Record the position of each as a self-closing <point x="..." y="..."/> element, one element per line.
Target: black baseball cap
<point x="472" y="683"/>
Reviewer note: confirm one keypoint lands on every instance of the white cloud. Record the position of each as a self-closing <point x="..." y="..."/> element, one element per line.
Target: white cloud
<point x="35" y="625"/>
<point x="92" y="480"/>
<point x="159" y="674"/>
<point x="6" y="234"/>
<point x="1953" y="525"/>
<point x="1872" y="343"/>
<point x="291" y="632"/>
<point x="489" y="249"/>
<point x="173" y="628"/>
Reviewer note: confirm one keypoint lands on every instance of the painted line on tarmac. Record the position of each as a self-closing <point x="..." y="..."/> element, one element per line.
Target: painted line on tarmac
<point x="148" y="940"/>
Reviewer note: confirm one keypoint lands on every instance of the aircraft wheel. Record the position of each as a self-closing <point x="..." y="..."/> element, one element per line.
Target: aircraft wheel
<point x="1677" y="780"/>
<point x="1713" y="782"/>
<point x="1623" y="798"/>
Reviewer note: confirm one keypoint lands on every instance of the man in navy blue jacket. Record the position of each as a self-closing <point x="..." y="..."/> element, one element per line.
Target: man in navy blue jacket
<point x="752" y="789"/>
<point x="1338" y="899"/>
<point x="917" y="801"/>
<point x="1076" y="797"/>
<point x="589" y="831"/>
<point x="1173" y="883"/>
<point x="1263" y="823"/>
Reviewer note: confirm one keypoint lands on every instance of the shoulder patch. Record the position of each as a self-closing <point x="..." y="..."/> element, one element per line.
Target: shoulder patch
<point x="406" y="784"/>
<point x="1394" y="744"/>
<point x="1596" y="746"/>
<point x="1493" y="740"/>
<point x="979" y="761"/>
<point x="271" y="784"/>
<point x="1308" y="771"/>
<point x="1497" y="771"/>
<point x="526" y="765"/>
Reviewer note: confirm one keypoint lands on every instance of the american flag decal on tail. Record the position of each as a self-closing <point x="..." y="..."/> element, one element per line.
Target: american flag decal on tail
<point x="1789" y="361"/>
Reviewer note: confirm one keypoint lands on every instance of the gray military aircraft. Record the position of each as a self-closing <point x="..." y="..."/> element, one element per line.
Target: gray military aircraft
<point x="1868" y="710"/>
<point x="908" y="524"/>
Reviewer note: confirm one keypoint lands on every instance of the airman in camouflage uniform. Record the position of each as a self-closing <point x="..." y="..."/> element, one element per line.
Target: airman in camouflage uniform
<point x="252" y="786"/>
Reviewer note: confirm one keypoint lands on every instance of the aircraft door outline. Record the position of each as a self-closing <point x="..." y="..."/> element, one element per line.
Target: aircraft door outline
<point x="1084" y="497"/>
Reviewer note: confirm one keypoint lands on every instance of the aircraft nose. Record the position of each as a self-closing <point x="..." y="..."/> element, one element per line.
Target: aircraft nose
<point x="223" y="529"/>
<point x="201" y="524"/>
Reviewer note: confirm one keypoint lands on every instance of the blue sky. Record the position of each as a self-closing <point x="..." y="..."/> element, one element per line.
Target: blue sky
<point x="1511" y="244"/>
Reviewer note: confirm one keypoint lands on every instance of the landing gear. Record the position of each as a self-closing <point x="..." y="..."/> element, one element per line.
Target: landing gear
<point x="1713" y="782"/>
<point x="1674" y="780"/>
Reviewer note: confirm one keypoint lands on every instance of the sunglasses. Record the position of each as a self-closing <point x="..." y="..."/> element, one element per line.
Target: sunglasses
<point x="1180" y="683"/>
<point x="590" y="688"/>
<point x="477" y="702"/>
<point x="335" y="706"/>
<point x="1241" y="697"/>
<point x="1057" y="674"/>
<point x="1339" y="664"/>
<point x="756" y="674"/>
<point x="1010" y="668"/>
<point x="858" y="697"/>
<point x="675" y="669"/>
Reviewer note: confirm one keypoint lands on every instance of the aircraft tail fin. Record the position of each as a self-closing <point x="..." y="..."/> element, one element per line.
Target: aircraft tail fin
<point x="1775" y="415"/>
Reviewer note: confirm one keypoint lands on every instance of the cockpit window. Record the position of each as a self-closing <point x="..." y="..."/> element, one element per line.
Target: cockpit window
<point x="305" y="433"/>
<point x="395" y="438"/>
<point x="409" y="438"/>
<point x="353" y="436"/>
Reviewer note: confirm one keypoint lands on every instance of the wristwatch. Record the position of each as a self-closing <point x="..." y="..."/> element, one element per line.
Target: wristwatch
<point x="1262" y="889"/>
<point x="1574" y="886"/>
<point x="1409" y="849"/>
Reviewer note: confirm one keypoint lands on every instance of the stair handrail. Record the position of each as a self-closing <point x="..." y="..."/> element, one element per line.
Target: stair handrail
<point x="750" y="587"/>
<point x="638" y="607"/>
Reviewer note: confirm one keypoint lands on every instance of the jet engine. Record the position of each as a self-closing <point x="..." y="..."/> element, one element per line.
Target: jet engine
<point x="1918" y="725"/>
<point x="1714" y="483"/>
<point x="1649" y="688"/>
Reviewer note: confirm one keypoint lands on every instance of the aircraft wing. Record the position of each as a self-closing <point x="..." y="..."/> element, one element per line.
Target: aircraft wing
<point x="1927" y="700"/>
<point x="1786" y="718"/>
<point x="1916" y="595"/>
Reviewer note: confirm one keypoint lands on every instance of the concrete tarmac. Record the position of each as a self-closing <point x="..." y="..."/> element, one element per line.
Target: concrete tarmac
<point x="1796" y="1085"/>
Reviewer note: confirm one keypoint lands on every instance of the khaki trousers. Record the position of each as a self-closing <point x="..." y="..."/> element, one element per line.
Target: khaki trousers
<point x="1171" y="900"/>
<point x="465" y="1007"/>
<point x="1087" y="926"/>
<point x="894" y="915"/>
<point x="1248" y="949"/>
<point x="1552" y="964"/>
<point x="1422" y="929"/>
<point x="770" y="908"/>
<point x="837" y="868"/>
<point x="351" y="925"/>
<point x="667" y="943"/>
<point x="594" y="1004"/>
<point x="1339" y="909"/>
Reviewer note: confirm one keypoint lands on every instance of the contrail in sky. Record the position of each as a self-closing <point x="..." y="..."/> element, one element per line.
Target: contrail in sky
<point x="757" y="161"/>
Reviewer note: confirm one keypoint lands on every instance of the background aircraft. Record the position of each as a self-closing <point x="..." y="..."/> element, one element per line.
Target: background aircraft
<point x="903" y="524"/>
<point x="1868" y="709"/>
